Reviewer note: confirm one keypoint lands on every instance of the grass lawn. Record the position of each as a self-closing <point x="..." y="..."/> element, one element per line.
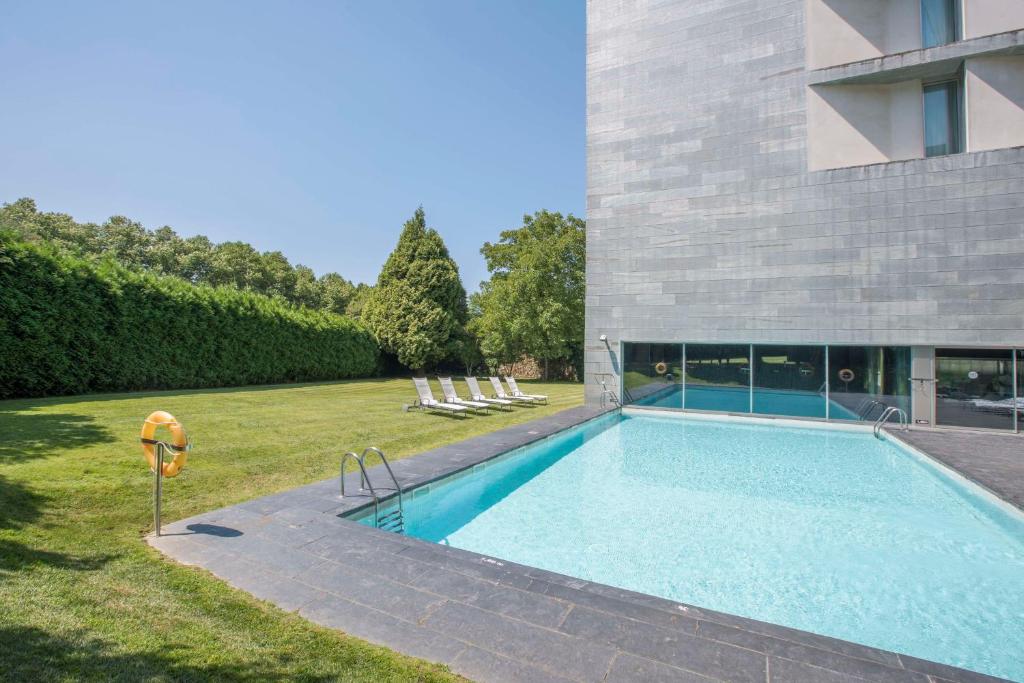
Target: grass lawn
<point x="83" y="597"/>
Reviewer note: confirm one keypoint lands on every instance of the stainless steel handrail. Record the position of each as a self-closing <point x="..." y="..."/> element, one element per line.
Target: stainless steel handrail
<point x="365" y="479"/>
<point x="889" y="412"/>
<point x="365" y="483"/>
<point x="387" y="466"/>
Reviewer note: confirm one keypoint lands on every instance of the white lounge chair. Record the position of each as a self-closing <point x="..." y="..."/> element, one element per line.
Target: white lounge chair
<point x="477" y="395"/>
<point x="499" y="392"/>
<point x="426" y="400"/>
<point x="450" y="396"/>
<point x="516" y="393"/>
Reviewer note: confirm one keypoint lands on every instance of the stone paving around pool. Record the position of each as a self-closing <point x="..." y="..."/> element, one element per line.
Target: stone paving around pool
<point x="493" y="620"/>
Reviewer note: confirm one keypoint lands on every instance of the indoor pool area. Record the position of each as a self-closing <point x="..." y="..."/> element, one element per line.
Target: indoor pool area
<point x="822" y="528"/>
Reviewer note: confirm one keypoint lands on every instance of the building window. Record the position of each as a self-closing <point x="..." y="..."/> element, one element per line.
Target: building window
<point x="943" y="119"/>
<point x="789" y="380"/>
<point x="974" y="388"/>
<point x="717" y="377"/>
<point x="653" y="375"/>
<point x="865" y="380"/>
<point x="940" y="22"/>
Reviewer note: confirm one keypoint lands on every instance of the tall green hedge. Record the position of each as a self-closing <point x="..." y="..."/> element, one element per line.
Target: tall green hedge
<point x="69" y="326"/>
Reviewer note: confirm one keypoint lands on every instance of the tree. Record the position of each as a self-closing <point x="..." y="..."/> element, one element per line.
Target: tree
<point x="418" y="308"/>
<point x="195" y="259"/>
<point x="534" y="302"/>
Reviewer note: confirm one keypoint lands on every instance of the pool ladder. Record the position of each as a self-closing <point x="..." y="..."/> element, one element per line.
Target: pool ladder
<point x="394" y="520"/>
<point x="607" y="395"/>
<point x="884" y="417"/>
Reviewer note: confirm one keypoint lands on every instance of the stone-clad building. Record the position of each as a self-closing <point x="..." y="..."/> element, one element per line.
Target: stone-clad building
<point x="799" y="207"/>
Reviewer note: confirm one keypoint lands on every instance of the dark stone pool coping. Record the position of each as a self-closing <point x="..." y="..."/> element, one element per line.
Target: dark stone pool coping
<point x="493" y="620"/>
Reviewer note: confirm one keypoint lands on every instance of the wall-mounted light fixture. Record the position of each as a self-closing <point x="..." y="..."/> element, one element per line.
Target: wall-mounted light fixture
<point x="604" y="338"/>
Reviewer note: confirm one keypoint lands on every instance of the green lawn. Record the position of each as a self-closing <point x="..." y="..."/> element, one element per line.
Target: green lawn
<point x="83" y="597"/>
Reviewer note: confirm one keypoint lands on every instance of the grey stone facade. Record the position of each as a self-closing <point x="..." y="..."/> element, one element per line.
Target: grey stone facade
<point x="704" y="224"/>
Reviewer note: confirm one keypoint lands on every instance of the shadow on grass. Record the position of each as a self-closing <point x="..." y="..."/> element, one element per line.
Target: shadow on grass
<point x="187" y="391"/>
<point x="30" y="654"/>
<point x="20" y="507"/>
<point x="28" y="434"/>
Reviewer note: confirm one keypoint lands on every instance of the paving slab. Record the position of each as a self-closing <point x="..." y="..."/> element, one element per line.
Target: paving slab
<point x="494" y="620"/>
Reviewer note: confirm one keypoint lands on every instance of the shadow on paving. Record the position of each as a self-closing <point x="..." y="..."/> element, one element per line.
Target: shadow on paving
<point x="30" y="653"/>
<point x="28" y="435"/>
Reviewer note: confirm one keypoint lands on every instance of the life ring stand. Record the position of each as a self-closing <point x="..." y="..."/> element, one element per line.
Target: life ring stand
<point x="179" y="444"/>
<point x="660" y="368"/>
<point x="847" y="375"/>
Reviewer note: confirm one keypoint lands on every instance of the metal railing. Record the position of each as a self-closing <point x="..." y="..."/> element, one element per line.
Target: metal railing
<point x="392" y="521"/>
<point x="884" y="418"/>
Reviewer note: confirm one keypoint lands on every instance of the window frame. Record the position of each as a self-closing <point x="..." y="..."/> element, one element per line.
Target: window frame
<point x="955" y="114"/>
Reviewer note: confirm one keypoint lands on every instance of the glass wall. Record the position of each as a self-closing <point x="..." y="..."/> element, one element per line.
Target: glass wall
<point x="717" y="377"/>
<point x="652" y="374"/>
<point x="789" y="380"/>
<point x="974" y="388"/>
<point x="864" y="380"/>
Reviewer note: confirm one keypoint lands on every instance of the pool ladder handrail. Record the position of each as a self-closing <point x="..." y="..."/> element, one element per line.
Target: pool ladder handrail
<point x="606" y="393"/>
<point x="889" y="412"/>
<point x="392" y="521"/>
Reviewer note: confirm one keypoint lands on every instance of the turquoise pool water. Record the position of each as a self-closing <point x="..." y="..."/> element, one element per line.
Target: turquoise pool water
<point x="737" y="400"/>
<point x="830" y="531"/>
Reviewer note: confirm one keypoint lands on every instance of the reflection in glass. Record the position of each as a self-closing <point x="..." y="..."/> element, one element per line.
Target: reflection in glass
<point x="942" y="119"/>
<point x="939" y="22"/>
<point x="652" y="375"/>
<point x="718" y="377"/>
<point x="789" y="380"/>
<point x="974" y="388"/>
<point x="864" y="380"/>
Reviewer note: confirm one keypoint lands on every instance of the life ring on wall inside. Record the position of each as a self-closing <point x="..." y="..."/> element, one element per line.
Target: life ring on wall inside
<point x="660" y="368"/>
<point x="179" y="442"/>
<point x="846" y="374"/>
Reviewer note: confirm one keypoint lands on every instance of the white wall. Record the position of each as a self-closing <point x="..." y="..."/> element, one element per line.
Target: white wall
<point x="995" y="102"/>
<point x="855" y="125"/>
<point x="985" y="17"/>
<point x="844" y="31"/>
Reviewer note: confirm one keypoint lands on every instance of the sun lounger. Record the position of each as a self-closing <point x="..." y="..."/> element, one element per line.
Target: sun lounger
<point x="426" y="400"/>
<point x="499" y="392"/>
<point x="516" y="393"/>
<point x="477" y="395"/>
<point x="450" y="396"/>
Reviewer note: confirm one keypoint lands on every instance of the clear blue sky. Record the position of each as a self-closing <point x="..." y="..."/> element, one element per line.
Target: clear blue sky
<point x="315" y="128"/>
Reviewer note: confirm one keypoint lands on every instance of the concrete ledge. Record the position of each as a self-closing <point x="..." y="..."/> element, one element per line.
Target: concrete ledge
<point x="934" y="62"/>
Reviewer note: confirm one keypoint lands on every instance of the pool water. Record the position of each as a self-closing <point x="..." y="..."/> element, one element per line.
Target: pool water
<point x="820" y="529"/>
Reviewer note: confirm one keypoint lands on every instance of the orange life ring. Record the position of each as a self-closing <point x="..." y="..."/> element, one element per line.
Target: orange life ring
<point x="661" y="368"/>
<point x="179" y="442"/>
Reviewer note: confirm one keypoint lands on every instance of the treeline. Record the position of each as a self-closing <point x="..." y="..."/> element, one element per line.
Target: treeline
<point x="197" y="259"/>
<point x="237" y="316"/>
<point x="70" y="325"/>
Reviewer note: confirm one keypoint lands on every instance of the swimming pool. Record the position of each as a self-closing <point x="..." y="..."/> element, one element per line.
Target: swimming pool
<point x="826" y="530"/>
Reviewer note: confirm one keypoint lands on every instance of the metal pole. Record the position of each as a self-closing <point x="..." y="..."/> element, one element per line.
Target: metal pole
<point x="1016" y="391"/>
<point x="683" y="379"/>
<point x="828" y="389"/>
<point x="158" y="482"/>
